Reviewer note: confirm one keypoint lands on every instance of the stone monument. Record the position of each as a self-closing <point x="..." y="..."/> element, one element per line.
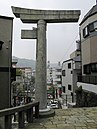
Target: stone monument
<point x="41" y="18"/>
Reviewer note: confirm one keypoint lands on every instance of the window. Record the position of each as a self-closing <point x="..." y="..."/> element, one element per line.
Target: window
<point x="63" y="72"/>
<point x="91" y="27"/>
<point x="95" y="25"/>
<point x="71" y="72"/>
<point x="58" y="70"/>
<point x="69" y="65"/>
<point x="94" y="67"/>
<point x="85" y="32"/>
<point x="69" y="87"/>
<point x="50" y="75"/>
<point x="58" y="76"/>
<point x="90" y="68"/>
<point x="64" y="89"/>
<point x="87" y="69"/>
<point x="78" y="54"/>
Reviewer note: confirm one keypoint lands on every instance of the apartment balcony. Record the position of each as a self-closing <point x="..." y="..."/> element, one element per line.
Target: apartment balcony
<point x="88" y="79"/>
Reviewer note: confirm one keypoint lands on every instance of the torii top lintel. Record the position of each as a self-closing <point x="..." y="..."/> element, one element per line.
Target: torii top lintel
<point x="50" y="16"/>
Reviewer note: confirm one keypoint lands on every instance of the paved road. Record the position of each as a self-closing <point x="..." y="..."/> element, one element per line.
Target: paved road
<point x="74" y="118"/>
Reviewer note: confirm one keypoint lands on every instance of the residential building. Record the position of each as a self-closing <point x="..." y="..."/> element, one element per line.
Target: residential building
<point x="70" y="71"/>
<point x="54" y="78"/>
<point x="23" y="74"/>
<point x="67" y="76"/>
<point x="88" y="37"/>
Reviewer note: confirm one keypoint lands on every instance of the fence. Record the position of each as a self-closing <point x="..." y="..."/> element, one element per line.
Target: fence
<point x="21" y="111"/>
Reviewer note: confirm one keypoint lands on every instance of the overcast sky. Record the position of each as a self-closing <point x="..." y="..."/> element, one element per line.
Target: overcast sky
<point x="61" y="38"/>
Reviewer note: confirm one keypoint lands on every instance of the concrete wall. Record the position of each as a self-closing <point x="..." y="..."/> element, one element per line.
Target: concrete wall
<point x="6" y="24"/>
<point x="85" y="47"/>
<point x="74" y="54"/>
<point x="89" y="50"/>
<point x="85" y="98"/>
<point x="93" y="49"/>
<point x="88" y="87"/>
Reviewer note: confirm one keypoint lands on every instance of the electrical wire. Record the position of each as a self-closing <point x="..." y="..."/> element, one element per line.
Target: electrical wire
<point x="69" y="48"/>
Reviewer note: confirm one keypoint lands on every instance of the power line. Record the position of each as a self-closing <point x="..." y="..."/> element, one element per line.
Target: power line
<point x="69" y="47"/>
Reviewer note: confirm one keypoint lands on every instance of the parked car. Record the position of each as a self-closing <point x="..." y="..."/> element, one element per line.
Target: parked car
<point x="54" y="106"/>
<point x="54" y="101"/>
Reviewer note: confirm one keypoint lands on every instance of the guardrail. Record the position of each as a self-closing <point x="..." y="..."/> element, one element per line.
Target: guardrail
<point x="20" y="110"/>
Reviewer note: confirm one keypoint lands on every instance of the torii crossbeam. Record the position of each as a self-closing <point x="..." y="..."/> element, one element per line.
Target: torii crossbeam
<point x="42" y="17"/>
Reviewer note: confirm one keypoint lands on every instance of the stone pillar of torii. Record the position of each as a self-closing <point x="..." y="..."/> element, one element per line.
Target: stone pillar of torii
<point x="41" y="18"/>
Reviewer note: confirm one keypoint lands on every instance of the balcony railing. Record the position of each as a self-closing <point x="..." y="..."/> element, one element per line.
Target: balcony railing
<point x="88" y="79"/>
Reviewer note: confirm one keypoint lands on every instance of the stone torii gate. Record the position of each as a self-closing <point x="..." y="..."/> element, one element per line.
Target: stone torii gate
<point x="42" y="17"/>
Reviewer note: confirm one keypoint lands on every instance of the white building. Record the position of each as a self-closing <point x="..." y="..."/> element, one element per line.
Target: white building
<point x="67" y="77"/>
<point x="54" y="77"/>
<point x="70" y="71"/>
